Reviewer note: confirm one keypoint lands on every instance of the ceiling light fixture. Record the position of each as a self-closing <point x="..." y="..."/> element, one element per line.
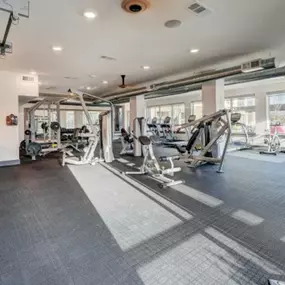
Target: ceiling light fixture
<point x="90" y="14"/>
<point x="88" y="88"/>
<point x="33" y="73"/>
<point x="57" y="48"/>
<point x="146" y="67"/>
<point x="194" y="50"/>
<point x="105" y="82"/>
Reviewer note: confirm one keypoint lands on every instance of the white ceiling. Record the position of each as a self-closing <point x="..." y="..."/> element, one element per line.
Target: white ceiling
<point x="234" y="28"/>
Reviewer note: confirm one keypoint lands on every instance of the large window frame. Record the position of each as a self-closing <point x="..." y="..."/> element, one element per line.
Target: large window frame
<point x="171" y="110"/>
<point x="244" y="104"/>
<point x="276" y="111"/>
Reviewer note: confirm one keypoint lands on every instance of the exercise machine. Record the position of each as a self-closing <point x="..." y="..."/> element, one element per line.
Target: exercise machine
<point x="127" y="140"/>
<point x="51" y="138"/>
<point x="209" y="141"/>
<point x="151" y="166"/>
<point x="153" y="127"/>
<point x="242" y="143"/>
<point x="127" y="143"/>
<point x="169" y="137"/>
<point x="101" y="135"/>
<point x="273" y="142"/>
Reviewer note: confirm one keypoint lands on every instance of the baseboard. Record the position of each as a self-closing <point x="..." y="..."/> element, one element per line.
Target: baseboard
<point x="9" y="162"/>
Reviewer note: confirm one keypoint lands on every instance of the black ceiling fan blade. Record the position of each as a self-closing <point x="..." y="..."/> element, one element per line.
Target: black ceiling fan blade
<point x="123" y="79"/>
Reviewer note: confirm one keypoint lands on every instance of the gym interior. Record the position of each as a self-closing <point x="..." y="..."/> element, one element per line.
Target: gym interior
<point x="142" y="142"/>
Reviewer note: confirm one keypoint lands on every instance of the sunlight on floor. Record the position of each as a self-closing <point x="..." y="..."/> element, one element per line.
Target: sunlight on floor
<point x="208" y="257"/>
<point x="130" y="215"/>
<point x="199" y="196"/>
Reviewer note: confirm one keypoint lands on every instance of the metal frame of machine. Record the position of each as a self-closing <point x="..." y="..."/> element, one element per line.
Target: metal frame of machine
<point x="223" y="119"/>
<point x="151" y="166"/>
<point x="102" y="135"/>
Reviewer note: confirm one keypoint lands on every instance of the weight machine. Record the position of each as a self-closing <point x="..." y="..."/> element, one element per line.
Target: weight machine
<point x="102" y="135"/>
<point x="209" y="141"/>
<point x="52" y="132"/>
<point x="151" y="166"/>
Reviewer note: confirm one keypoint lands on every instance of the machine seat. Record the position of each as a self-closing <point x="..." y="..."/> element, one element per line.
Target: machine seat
<point x="144" y="140"/>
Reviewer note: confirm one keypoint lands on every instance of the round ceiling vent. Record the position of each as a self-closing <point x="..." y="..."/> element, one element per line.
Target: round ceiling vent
<point x="172" y="24"/>
<point x="135" y="6"/>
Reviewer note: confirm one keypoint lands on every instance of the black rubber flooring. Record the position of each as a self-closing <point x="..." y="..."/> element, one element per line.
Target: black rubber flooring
<point x="50" y="233"/>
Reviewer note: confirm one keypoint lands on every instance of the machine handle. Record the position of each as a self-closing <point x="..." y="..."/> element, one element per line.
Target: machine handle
<point x="168" y="158"/>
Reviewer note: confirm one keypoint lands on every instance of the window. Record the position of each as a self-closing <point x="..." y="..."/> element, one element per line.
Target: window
<point x="197" y="109"/>
<point x="94" y="118"/>
<point x="276" y="112"/>
<point x="153" y="112"/>
<point x="165" y="111"/>
<point x="245" y="105"/>
<point x="178" y="114"/>
<point x="175" y="111"/>
<point x="70" y="121"/>
<point x="228" y="104"/>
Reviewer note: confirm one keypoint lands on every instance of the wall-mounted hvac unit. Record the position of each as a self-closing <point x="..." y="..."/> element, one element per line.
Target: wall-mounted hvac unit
<point x="27" y="85"/>
<point x="252" y="66"/>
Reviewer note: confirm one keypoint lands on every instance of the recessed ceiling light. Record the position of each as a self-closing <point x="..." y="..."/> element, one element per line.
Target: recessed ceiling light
<point x="89" y="14"/>
<point x="146" y="67"/>
<point x="88" y="88"/>
<point x="33" y="73"/>
<point x="172" y="24"/>
<point x="57" y="48"/>
<point x="194" y="50"/>
<point x="92" y="75"/>
<point x="105" y="82"/>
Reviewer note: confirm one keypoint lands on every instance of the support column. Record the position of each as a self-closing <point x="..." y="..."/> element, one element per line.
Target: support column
<point x="137" y="109"/>
<point x="261" y="112"/>
<point x="213" y="96"/>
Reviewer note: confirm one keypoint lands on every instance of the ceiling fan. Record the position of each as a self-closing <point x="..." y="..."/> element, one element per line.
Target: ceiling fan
<point x="123" y="85"/>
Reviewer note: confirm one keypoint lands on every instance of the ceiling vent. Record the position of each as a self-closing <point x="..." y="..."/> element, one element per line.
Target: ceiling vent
<point x="28" y="78"/>
<point x="198" y="9"/>
<point x="105" y="57"/>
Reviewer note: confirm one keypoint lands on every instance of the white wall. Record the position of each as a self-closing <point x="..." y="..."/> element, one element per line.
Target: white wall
<point x="11" y="87"/>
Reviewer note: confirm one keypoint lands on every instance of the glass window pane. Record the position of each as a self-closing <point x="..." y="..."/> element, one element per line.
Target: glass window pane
<point x="228" y="104"/>
<point x="277" y="112"/>
<point x="165" y="111"/>
<point x="197" y="109"/>
<point x="178" y="114"/>
<point x="153" y="113"/>
<point x="94" y="117"/>
<point x="70" y="119"/>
